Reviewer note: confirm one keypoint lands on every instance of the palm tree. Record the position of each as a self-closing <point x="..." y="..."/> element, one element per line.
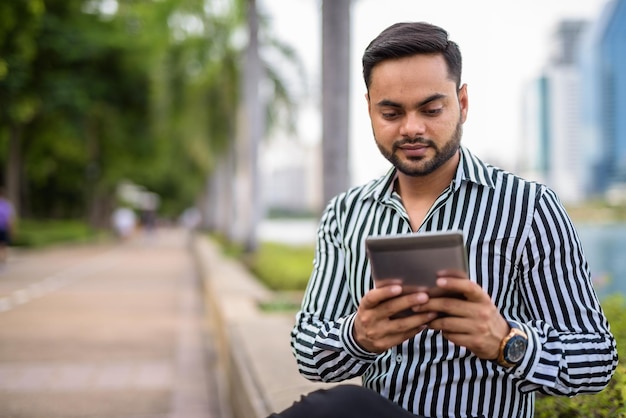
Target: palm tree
<point x="335" y="96"/>
<point x="233" y="193"/>
<point x="250" y="133"/>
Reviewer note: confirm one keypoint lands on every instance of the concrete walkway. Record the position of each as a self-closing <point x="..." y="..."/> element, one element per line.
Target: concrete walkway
<point x="112" y="330"/>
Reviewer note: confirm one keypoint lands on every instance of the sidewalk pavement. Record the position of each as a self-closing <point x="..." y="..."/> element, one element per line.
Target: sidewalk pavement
<point x="108" y="330"/>
<point x="257" y="371"/>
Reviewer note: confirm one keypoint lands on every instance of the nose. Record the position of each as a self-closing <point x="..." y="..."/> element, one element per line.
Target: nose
<point x="413" y="125"/>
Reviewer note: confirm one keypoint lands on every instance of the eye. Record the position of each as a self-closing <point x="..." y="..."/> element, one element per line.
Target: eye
<point x="433" y="111"/>
<point x="389" y="114"/>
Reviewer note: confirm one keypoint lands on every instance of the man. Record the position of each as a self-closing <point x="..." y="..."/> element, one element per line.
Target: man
<point x="530" y="320"/>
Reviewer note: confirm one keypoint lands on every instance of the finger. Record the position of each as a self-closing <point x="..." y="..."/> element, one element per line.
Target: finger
<point x="402" y="329"/>
<point x="452" y="325"/>
<point x="481" y="345"/>
<point x="452" y="273"/>
<point x="414" y="322"/>
<point x="410" y="301"/>
<point x="470" y="290"/>
<point x="376" y="333"/>
<point x="445" y="307"/>
<point x="378" y="295"/>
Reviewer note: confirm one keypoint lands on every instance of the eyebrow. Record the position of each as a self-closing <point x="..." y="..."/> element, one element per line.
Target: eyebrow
<point x="391" y="103"/>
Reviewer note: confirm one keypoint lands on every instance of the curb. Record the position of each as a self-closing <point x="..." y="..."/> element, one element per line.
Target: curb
<point x="257" y="371"/>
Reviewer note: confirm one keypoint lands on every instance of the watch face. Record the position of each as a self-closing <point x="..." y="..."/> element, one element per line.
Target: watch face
<point x="515" y="349"/>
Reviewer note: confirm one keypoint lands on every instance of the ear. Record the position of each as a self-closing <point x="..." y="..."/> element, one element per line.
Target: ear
<point x="369" y="104"/>
<point x="463" y="102"/>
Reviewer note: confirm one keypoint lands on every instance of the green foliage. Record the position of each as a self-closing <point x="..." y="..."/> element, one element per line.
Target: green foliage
<point x="610" y="403"/>
<point x="149" y="94"/>
<point x="283" y="302"/>
<point x="35" y="234"/>
<point x="282" y="266"/>
<point x="89" y="102"/>
<point x="19" y="27"/>
<point x="607" y="404"/>
<point x="614" y="307"/>
<point x="227" y="247"/>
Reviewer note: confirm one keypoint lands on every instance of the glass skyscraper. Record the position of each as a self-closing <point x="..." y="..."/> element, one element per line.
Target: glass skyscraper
<point x="604" y="98"/>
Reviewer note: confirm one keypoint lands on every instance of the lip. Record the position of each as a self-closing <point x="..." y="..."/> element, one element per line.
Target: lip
<point x="413" y="146"/>
<point x="414" y="150"/>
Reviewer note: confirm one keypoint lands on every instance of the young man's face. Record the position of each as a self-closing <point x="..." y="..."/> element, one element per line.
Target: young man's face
<point x="416" y="113"/>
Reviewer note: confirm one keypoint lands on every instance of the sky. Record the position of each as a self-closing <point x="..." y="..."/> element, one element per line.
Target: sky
<point x="505" y="44"/>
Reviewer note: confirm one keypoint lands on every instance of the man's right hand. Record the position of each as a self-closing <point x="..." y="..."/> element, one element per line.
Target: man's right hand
<point x="375" y="330"/>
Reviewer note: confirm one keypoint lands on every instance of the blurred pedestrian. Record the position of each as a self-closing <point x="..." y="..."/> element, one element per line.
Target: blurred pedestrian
<point x="7" y="224"/>
<point x="191" y="218"/>
<point x="148" y="219"/>
<point x="124" y="222"/>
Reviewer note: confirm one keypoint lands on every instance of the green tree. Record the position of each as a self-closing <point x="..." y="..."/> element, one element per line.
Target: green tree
<point x="91" y="129"/>
<point x="147" y="93"/>
<point x="19" y="26"/>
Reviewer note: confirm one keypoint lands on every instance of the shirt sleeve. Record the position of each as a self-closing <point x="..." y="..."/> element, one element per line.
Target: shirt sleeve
<point x="322" y="338"/>
<point x="571" y="349"/>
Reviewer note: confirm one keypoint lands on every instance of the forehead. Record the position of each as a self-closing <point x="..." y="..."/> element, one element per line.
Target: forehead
<point x="417" y="74"/>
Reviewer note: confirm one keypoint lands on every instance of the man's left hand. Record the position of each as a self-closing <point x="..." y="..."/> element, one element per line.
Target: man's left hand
<point x="474" y="323"/>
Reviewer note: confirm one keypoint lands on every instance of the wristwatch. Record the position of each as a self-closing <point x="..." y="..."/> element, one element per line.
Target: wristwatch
<point x="513" y="347"/>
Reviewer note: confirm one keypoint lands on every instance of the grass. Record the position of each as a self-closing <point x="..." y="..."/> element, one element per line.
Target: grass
<point x="282" y="267"/>
<point x="597" y="212"/>
<point x="31" y="233"/>
<point x="285" y="269"/>
<point x="282" y="302"/>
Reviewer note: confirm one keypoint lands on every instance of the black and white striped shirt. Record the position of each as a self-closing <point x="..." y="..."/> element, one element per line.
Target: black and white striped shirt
<point x="522" y="249"/>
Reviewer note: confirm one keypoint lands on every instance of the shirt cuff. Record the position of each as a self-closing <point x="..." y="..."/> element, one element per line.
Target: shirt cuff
<point x="352" y="347"/>
<point x="530" y="368"/>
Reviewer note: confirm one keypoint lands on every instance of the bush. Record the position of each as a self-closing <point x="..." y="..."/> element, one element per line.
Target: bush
<point x="39" y="233"/>
<point x="282" y="267"/>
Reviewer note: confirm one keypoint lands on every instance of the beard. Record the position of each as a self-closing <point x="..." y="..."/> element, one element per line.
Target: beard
<point x="420" y="166"/>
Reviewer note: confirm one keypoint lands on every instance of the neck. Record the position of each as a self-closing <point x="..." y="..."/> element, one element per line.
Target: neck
<point x="419" y="193"/>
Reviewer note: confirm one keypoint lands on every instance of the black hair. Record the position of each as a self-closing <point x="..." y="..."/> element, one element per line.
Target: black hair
<point x="412" y="38"/>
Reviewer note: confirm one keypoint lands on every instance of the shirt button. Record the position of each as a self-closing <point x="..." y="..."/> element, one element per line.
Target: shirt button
<point x="399" y="358"/>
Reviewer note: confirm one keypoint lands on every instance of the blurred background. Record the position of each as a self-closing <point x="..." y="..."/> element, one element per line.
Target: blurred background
<point x="255" y="120"/>
<point x="122" y="120"/>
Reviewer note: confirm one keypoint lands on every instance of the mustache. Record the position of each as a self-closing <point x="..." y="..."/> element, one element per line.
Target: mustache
<point x="412" y="141"/>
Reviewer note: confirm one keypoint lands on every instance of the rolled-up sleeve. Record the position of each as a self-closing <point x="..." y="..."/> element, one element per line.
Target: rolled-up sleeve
<point x="322" y="338"/>
<point x="572" y="350"/>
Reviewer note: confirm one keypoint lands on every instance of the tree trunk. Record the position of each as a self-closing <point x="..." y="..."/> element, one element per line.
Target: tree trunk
<point x="217" y="208"/>
<point x="248" y="209"/>
<point x="14" y="168"/>
<point x="98" y="205"/>
<point x="335" y="96"/>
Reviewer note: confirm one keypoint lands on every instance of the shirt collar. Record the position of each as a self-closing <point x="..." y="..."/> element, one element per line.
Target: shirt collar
<point x="470" y="169"/>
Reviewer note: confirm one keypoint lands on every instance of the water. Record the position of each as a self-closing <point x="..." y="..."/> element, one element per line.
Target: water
<point x="604" y="246"/>
<point x="289" y="231"/>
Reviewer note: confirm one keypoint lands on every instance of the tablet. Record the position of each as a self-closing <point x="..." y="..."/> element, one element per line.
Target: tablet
<point x="414" y="259"/>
